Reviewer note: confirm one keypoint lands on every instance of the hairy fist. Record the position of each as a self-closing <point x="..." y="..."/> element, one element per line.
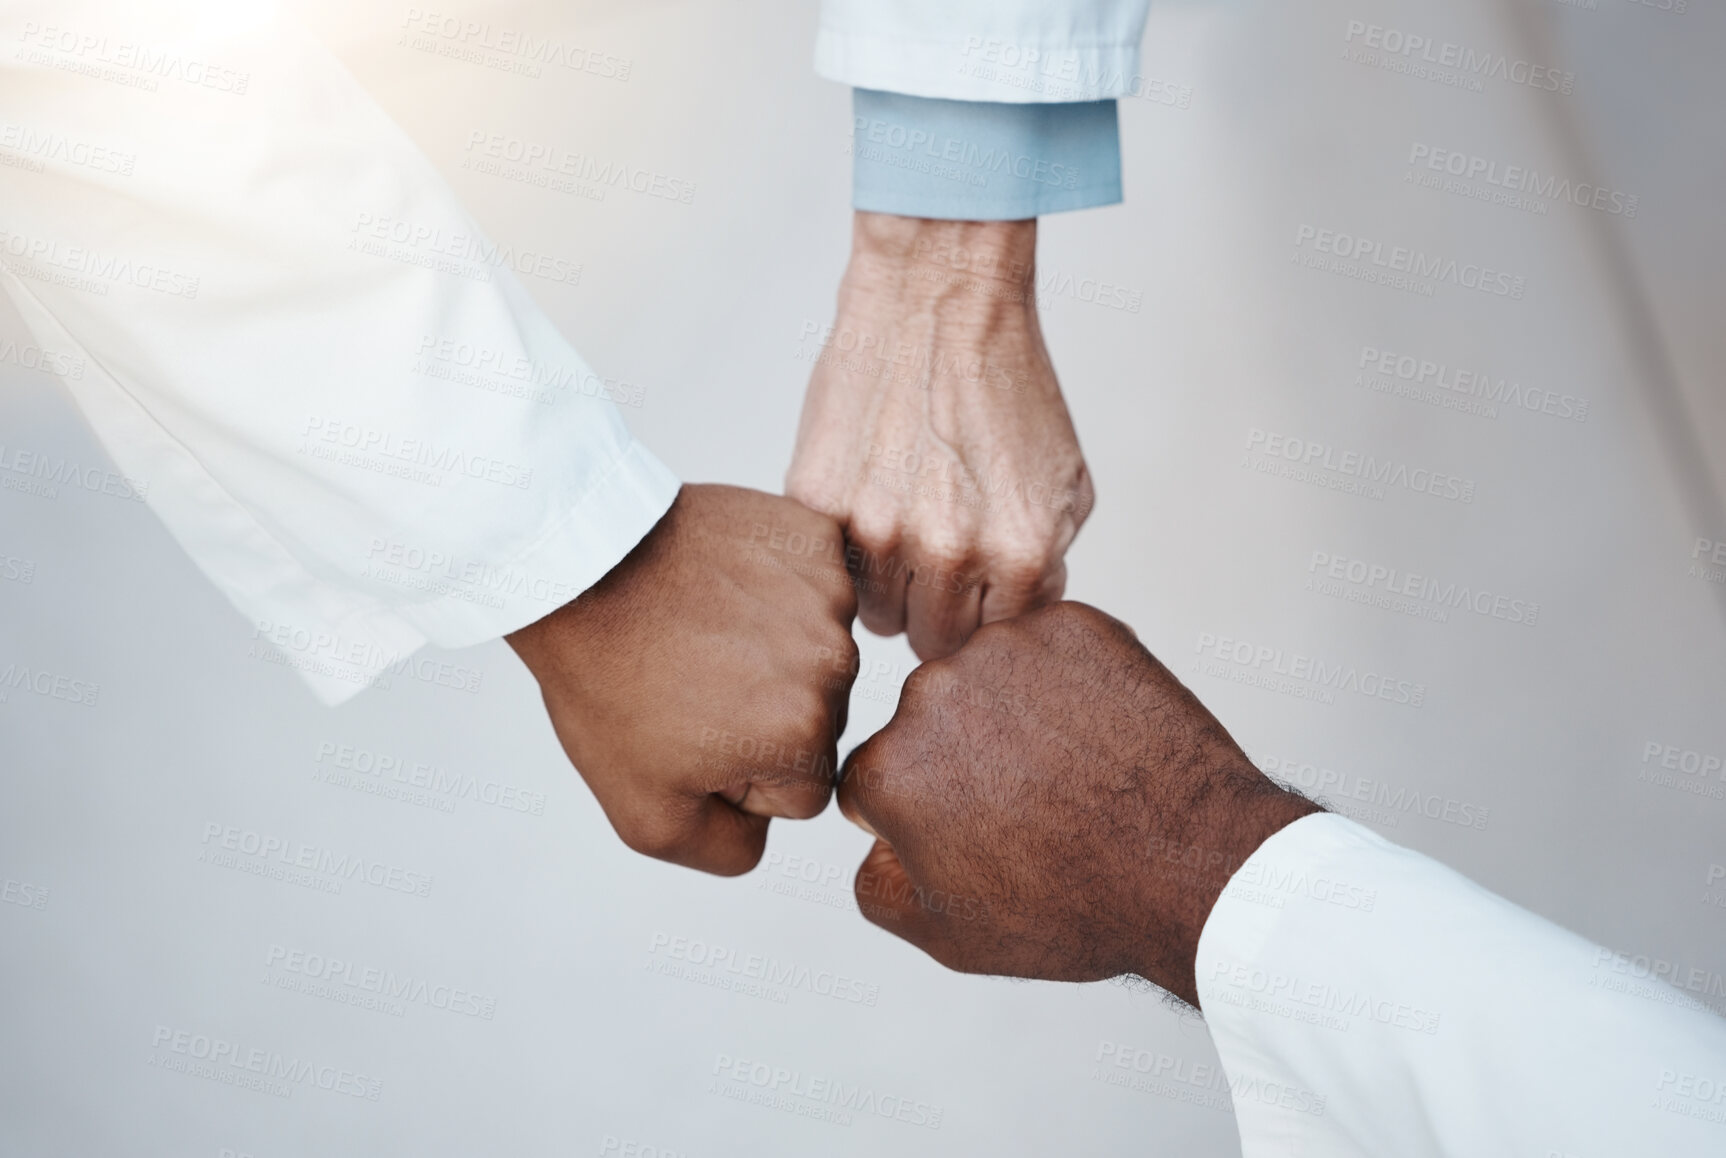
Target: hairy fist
<point x="935" y="431"/>
<point x="1027" y="793"/>
<point x="700" y="687"/>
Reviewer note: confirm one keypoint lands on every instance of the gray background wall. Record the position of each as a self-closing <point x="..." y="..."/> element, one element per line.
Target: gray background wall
<point x="1525" y="764"/>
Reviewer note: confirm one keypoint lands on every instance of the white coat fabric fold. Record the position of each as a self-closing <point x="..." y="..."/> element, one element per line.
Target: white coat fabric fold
<point x="1368" y="1001"/>
<point x="293" y="339"/>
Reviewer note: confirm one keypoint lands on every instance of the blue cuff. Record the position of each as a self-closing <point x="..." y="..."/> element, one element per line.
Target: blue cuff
<point x="981" y="160"/>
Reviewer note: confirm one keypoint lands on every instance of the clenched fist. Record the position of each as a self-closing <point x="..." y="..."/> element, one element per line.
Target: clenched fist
<point x="935" y="431"/>
<point x="1051" y="802"/>
<point x="700" y="687"/>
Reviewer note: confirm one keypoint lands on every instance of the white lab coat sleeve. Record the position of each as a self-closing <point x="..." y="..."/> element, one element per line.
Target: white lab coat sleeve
<point x="293" y="341"/>
<point x="1366" y="1000"/>
<point x="1015" y="51"/>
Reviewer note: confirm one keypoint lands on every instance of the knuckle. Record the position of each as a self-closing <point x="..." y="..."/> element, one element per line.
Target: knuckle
<point x="944" y="552"/>
<point x="806" y="799"/>
<point x="807" y="713"/>
<point x="844" y="644"/>
<point x="995" y="636"/>
<point x="923" y="685"/>
<point x="743" y="855"/>
<point x="1020" y="567"/>
<point x="1070" y="613"/>
<point x="874" y="527"/>
<point x="863" y="770"/>
<point x="841" y="659"/>
<point x="819" y="520"/>
<point x="1074" y="621"/>
<point x="650" y="834"/>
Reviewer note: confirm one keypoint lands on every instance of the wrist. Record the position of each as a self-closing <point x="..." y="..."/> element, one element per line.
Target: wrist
<point x="1234" y="817"/>
<point x="916" y="256"/>
<point x="545" y="644"/>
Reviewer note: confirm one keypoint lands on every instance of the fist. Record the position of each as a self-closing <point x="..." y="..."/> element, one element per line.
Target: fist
<point x="1022" y="790"/>
<point x="700" y="687"/>
<point x="935" y="430"/>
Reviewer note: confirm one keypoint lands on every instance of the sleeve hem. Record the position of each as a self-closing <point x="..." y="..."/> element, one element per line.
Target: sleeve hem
<point x="592" y="537"/>
<point x="911" y="204"/>
<point x="341" y="641"/>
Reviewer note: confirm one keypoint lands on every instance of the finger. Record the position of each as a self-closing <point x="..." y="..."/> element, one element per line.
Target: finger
<point x="794" y="795"/>
<point x="870" y="791"/>
<point x="1017" y="592"/>
<point x="838" y="671"/>
<point x="942" y="609"/>
<point x="880" y="578"/>
<point x="887" y="897"/>
<point x="704" y="832"/>
<point x="1055" y="584"/>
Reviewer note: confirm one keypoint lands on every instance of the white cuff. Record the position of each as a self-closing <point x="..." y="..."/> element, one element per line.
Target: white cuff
<point x="1007" y="51"/>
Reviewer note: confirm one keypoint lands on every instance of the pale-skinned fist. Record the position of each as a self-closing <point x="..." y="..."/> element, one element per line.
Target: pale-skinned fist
<point x="935" y="432"/>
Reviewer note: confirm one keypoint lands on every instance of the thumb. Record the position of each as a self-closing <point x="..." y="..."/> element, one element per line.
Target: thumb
<point x="886" y="896"/>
